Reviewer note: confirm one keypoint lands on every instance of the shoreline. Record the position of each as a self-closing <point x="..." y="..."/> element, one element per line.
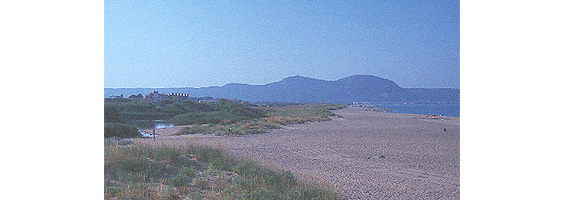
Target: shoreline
<point x="366" y="154"/>
<point x="441" y="110"/>
<point x="171" y="131"/>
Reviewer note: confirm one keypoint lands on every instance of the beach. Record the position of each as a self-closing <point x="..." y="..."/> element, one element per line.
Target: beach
<point x="363" y="155"/>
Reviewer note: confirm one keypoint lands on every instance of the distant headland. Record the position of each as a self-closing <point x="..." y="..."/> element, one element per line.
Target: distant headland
<point x="299" y="89"/>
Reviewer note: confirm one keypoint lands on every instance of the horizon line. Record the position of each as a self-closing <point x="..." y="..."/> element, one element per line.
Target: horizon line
<point x="275" y="82"/>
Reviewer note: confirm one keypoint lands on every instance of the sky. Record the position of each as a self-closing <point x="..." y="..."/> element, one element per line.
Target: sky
<point x="187" y="43"/>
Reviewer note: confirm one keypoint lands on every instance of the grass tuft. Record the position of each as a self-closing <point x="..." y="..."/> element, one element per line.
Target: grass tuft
<point x="160" y="172"/>
<point x="274" y="118"/>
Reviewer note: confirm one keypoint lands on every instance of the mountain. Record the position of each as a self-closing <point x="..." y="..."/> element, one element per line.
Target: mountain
<point x="299" y="89"/>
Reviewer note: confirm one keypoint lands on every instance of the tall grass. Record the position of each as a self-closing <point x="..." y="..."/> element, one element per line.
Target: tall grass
<point x="223" y="118"/>
<point x="134" y="112"/>
<point x="274" y="117"/>
<point x="225" y="112"/>
<point x="120" y="130"/>
<point x="160" y="172"/>
<point x="308" y="112"/>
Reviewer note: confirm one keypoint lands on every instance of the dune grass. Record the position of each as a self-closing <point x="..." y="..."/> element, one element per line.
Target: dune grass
<point x="139" y="113"/>
<point x="120" y="130"/>
<point x="274" y="117"/>
<point x="226" y="117"/>
<point x="145" y="171"/>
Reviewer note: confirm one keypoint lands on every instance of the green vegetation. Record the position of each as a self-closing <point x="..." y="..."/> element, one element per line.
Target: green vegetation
<point x="303" y="113"/>
<point x="161" y="172"/>
<point x="120" y="130"/>
<point x="224" y="112"/>
<point x="140" y="112"/>
<point x="126" y="110"/>
<point x="274" y="117"/>
<point x="223" y="118"/>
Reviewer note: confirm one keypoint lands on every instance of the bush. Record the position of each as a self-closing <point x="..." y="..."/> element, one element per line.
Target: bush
<point x="196" y="129"/>
<point x="197" y="118"/>
<point x="120" y="130"/>
<point x="224" y="112"/>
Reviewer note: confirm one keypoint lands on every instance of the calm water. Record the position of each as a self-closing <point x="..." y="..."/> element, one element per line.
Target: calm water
<point x="423" y="109"/>
<point x="151" y="124"/>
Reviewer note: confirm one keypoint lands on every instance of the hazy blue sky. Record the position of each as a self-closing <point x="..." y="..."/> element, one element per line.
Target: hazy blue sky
<point x="187" y="43"/>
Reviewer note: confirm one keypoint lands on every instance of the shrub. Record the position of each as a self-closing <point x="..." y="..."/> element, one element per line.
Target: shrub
<point x="222" y="113"/>
<point x="197" y="129"/>
<point x="120" y="130"/>
<point x="111" y="114"/>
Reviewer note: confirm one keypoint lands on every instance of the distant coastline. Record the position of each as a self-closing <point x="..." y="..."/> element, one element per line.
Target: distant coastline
<point x="445" y="109"/>
<point x="299" y="89"/>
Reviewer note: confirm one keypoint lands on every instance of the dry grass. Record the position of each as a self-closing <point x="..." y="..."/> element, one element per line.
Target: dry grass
<point x="276" y="117"/>
<point x="159" y="171"/>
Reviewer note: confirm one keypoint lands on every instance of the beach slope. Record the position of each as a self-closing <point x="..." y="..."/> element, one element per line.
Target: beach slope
<point x="364" y="155"/>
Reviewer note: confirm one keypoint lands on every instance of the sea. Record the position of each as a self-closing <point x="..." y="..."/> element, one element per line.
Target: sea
<point x="423" y="109"/>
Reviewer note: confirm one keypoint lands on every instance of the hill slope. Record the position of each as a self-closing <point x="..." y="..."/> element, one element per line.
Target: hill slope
<point x="299" y="89"/>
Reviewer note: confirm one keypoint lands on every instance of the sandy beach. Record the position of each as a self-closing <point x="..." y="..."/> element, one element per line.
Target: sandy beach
<point x="364" y="155"/>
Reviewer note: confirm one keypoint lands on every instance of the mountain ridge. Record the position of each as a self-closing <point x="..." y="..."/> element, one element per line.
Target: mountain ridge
<point x="300" y="89"/>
